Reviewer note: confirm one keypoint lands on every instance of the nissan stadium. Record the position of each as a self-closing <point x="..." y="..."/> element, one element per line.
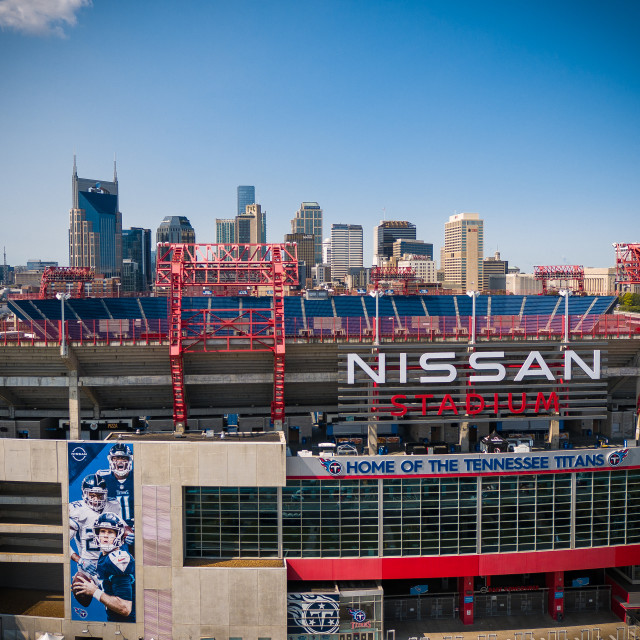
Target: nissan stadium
<point x="280" y="467"/>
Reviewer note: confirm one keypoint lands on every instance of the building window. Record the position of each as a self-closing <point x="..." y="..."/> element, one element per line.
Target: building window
<point x="330" y="518"/>
<point x="231" y="522"/>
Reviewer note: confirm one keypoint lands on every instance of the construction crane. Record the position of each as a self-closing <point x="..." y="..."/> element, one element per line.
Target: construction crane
<point x="219" y="268"/>
<point x="565" y="272"/>
<point x="627" y="263"/>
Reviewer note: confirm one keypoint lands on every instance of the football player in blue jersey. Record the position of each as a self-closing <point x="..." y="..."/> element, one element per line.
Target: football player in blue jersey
<point x="116" y="572"/>
<point x="119" y="479"/>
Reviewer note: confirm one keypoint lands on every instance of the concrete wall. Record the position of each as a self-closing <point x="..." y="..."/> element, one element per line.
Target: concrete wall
<point x="246" y="602"/>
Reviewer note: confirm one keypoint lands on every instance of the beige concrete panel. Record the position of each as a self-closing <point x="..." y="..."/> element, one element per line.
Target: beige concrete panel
<point x="17" y="460"/>
<point x="185" y="596"/>
<point x="215" y="631"/>
<point x="2" y="473"/>
<point x="46" y="558"/>
<point x="47" y="625"/>
<point x="243" y="596"/>
<point x="242" y="461"/>
<point x="187" y="631"/>
<point x="156" y="577"/>
<point x="154" y="462"/>
<point x="44" y="461"/>
<point x="177" y="543"/>
<point x="212" y="464"/>
<point x="214" y="596"/>
<point x="184" y="464"/>
<point x="275" y="633"/>
<point x="25" y="627"/>
<point x="63" y="465"/>
<point x="272" y="462"/>
<point x="272" y="597"/>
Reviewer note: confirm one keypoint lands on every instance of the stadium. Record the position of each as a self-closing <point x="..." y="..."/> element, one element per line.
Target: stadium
<point x="305" y="468"/>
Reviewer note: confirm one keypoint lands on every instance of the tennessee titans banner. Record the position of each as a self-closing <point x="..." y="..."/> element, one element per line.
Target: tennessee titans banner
<point x="101" y="532"/>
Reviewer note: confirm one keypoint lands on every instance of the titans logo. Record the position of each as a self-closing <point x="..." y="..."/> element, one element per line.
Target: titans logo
<point x="616" y="457"/>
<point x="332" y="466"/>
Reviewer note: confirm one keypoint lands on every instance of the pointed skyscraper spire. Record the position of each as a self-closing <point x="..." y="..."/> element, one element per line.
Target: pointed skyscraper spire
<point x="75" y="168"/>
<point x="115" y="173"/>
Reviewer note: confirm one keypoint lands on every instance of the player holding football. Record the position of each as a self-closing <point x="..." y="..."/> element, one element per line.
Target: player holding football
<point x="82" y="516"/>
<point x="116" y="572"/>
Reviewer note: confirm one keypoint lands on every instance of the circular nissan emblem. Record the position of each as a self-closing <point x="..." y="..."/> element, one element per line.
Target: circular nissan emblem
<point x="78" y="454"/>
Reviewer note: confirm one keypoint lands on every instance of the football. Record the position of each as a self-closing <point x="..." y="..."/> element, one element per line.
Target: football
<point x="82" y="598"/>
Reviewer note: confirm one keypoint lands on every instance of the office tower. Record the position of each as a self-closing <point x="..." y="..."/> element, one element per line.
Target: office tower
<point x="175" y="229"/>
<point x="463" y="251"/>
<point x="246" y="196"/>
<point x="95" y="225"/>
<point x="386" y="233"/>
<point x="494" y="271"/>
<point x="225" y="230"/>
<point x="251" y="226"/>
<point x="137" y="275"/>
<point x="326" y="251"/>
<point x="309" y="220"/>
<point x="413" y="247"/>
<point x="424" y="268"/>
<point x="346" y="249"/>
<point x="305" y="244"/>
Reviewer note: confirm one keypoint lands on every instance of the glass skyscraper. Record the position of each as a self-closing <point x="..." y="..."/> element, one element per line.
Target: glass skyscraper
<point x="95" y="225"/>
<point x="136" y="249"/>
<point x="246" y="196"/>
<point x="308" y="220"/>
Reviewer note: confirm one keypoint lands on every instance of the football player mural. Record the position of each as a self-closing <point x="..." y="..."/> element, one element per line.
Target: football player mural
<point x="101" y="531"/>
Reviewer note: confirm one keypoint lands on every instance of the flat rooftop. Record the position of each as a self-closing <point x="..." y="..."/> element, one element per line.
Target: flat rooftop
<point x="199" y="436"/>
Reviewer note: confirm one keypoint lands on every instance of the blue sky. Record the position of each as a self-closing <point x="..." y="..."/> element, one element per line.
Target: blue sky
<point x="525" y="112"/>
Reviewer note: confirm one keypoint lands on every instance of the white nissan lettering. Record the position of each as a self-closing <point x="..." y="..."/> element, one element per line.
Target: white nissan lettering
<point x="534" y="366"/>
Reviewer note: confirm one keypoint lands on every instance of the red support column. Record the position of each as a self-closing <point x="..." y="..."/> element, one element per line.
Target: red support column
<point x="555" y="584"/>
<point x="465" y="589"/>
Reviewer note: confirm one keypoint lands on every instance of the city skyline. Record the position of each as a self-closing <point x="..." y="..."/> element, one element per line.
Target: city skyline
<point x="527" y="115"/>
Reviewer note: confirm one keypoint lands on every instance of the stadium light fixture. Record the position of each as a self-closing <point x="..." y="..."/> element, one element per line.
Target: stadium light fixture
<point x="566" y="293"/>
<point x="376" y="293"/>
<point x="63" y="345"/>
<point x="473" y="295"/>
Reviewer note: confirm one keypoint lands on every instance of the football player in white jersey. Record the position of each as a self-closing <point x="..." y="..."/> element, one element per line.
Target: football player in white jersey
<point x="82" y="516"/>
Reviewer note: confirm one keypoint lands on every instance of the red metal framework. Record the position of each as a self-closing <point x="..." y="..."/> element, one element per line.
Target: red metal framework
<point x="194" y="268"/>
<point x="405" y="275"/>
<point x="627" y="263"/>
<point x="565" y="272"/>
<point x="76" y="275"/>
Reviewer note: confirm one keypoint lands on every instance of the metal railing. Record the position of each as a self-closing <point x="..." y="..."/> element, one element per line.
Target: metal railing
<point x="329" y="329"/>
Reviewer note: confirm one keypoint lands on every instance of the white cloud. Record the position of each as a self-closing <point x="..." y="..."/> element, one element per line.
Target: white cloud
<point x="40" y="17"/>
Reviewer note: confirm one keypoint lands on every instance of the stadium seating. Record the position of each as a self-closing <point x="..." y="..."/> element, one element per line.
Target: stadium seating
<point x="341" y="314"/>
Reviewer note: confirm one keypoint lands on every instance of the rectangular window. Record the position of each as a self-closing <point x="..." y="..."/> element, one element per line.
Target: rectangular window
<point x="231" y="522"/>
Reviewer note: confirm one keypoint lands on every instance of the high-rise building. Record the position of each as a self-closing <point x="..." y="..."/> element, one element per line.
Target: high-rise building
<point x="494" y="271"/>
<point x="95" y="225"/>
<point x="463" y="251"/>
<point x="176" y="229"/>
<point x="246" y="196"/>
<point x="413" y="247"/>
<point x="225" y="230"/>
<point x="251" y="226"/>
<point x="136" y="248"/>
<point x="346" y="249"/>
<point x="386" y="233"/>
<point x="309" y="220"/>
<point x="305" y="244"/>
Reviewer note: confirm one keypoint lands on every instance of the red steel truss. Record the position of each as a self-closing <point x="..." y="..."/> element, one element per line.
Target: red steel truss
<point x="405" y="275"/>
<point x="219" y="268"/>
<point x="627" y="263"/>
<point x="560" y="272"/>
<point x="76" y="275"/>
